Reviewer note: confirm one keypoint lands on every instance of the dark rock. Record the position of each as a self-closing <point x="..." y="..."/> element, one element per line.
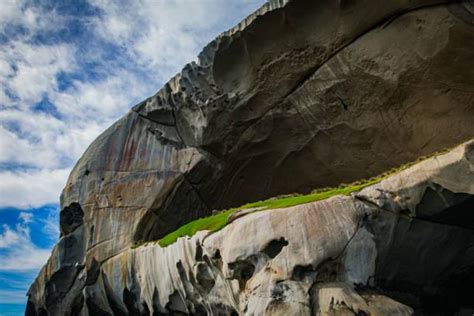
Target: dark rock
<point x="70" y="218"/>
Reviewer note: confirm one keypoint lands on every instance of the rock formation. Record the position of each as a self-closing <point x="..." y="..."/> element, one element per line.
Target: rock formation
<point x="301" y="94"/>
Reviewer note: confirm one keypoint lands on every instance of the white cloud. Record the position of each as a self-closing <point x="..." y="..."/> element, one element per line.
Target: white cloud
<point x="19" y="252"/>
<point x="42" y="141"/>
<point x="100" y="101"/>
<point x="33" y="19"/>
<point x="29" y="189"/>
<point x="8" y="237"/>
<point x="32" y="68"/>
<point x="164" y="35"/>
<point x="26" y="217"/>
<point x="24" y="256"/>
<point x="22" y="151"/>
<point x="51" y="226"/>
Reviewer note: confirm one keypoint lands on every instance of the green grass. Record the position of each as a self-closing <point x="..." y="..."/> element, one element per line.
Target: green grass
<point x="218" y="221"/>
<point x="212" y="223"/>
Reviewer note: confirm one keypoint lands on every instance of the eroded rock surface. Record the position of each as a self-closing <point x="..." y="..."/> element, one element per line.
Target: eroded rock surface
<point x="300" y="95"/>
<point x="370" y="252"/>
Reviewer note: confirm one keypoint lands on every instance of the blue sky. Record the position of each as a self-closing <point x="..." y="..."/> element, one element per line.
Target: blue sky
<point x="68" y="69"/>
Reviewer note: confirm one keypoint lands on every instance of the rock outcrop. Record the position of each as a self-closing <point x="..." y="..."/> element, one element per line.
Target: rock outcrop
<point x="300" y="95"/>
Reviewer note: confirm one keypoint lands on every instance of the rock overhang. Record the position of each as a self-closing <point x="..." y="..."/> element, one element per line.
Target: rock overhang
<point x="323" y="97"/>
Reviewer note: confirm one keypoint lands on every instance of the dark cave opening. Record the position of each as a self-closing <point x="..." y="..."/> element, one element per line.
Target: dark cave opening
<point x="428" y="262"/>
<point x="443" y="206"/>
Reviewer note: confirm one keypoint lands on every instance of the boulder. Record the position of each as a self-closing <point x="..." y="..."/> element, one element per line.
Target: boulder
<point x="300" y="95"/>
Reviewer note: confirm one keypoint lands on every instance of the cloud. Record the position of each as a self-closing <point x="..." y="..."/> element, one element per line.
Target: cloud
<point x="50" y="224"/>
<point x="24" y="256"/>
<point x="29" y="71"/>
<point x="164" y="35"/>
<point x="157" y="34"/>
<point x="8" y="237"/>
<point x="30" y="19"/>
<point x="17" y="251"/>
<point x="28" y="189"/>
<point x="27" y="218"/>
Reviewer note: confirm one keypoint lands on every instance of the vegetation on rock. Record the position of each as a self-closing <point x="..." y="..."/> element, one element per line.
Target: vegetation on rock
<point x="218" y="221"/>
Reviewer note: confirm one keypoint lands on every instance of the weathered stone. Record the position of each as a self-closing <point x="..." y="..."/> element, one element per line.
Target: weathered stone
<point x="300" y="95"/>
<point x="340" y="256"/>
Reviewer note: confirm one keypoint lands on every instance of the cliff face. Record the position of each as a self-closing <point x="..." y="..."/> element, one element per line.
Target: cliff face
<point x="300" y="95"/>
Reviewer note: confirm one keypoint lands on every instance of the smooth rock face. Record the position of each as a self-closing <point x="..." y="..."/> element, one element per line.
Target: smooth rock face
<point x="301" y="94"/>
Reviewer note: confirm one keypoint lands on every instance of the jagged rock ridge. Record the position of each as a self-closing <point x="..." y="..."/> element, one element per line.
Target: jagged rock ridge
<point x="300" y="95"/>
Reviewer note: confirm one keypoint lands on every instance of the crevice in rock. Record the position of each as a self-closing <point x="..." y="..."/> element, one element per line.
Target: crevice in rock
<point x="274" y="247"/>
<point x="198" y="256"/>
<point x="159" y="133"/>
<point x="157" y="309"/>
<point x="114" y="255"/>
<point x="176" y="305"/>
<point x="155" y="116"/>
<point x="77" y="305"/>
<point x="310" y="73"/>
<point x="177" y="128"/>
<point x="61" y="283"/>
<point x="440" y="205"/>
<point x="443" y="218"/>
<point x="145" y="309"/>
<point x="95" y="309"/>
<point x="93" y="272"/>
<point x="204" y="277"/>
<point x="113" y="300"/>
<point x="186" y="280"/>
<point x="130" y="302"/>
<point x="356" y="230"/>
<point x="91" y="236"/>
<point x="70" y="218"/>
<point x="198" y="193"/>
<point x="303" y="272"/>
<point x="304" y="78"/>
<point x="368" y="202"/>
<point x="242" y="269"/>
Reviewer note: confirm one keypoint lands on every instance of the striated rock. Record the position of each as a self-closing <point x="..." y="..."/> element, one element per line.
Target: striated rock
<point x="365" y="253"/>
<point x="300" y="95"/>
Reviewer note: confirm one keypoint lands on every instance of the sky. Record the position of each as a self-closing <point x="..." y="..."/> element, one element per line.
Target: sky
<point x="68" y="70"/>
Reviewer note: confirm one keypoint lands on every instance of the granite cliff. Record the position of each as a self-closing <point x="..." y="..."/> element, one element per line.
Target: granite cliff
<point x="298" y="96"/>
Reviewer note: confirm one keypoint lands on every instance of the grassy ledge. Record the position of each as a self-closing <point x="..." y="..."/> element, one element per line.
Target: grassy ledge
<point x="218" y="221"/>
